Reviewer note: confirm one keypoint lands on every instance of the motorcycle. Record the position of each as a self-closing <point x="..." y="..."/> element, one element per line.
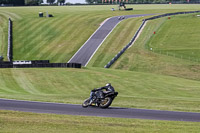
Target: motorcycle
<point x="99" y="102"/>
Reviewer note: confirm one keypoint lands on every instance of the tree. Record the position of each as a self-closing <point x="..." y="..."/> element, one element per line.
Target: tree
<point x="61" y="2"/>
<point x="13" y="2"/>
<point x="40" y="1"/>
<point x="50" y="1"/>
<point x="2" y="1"/>
<point x="32" y="2"/>
<point x="88" y="1"/>
<point x="93" y="1"/>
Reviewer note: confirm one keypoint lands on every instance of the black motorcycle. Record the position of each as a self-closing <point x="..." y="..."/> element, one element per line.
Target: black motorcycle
<point x="100" y="102"/>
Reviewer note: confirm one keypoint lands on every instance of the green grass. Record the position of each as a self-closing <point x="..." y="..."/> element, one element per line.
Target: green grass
<point x="140" y="58"/>
<point x="48" y="123"/>
<point x="178" y="36"/>
<point x="138" y="76"/>
<point x="58" y="38"/>
<point x="136" y="89"/>
<point x="120" y="36"/>
<point x="3" y="36"/>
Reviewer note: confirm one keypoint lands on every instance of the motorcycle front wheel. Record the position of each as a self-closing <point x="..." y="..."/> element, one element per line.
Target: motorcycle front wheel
<point x="86" y="103"/>
<point x="106" y="102"/>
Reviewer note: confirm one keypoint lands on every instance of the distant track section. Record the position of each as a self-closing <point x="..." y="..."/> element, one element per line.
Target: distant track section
<point x="89" y="48"/>
<point x="70" y="109"/>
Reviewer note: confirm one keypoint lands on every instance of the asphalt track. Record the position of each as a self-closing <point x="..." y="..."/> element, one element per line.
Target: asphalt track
<point x="89" y="48"/>
<point x="70" y="109"/>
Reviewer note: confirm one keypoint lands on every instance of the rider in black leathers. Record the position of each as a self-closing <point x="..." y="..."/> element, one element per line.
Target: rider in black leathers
<point x="101" y="91"/>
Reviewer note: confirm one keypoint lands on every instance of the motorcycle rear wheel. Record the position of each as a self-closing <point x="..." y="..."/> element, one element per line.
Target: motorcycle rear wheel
<point x="106" y="102"/>
<point x="86" y="103"/>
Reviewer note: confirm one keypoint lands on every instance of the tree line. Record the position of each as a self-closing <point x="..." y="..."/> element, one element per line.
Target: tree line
<point x="125" y="1"/>
<point x="38" y="2"/>
<point x="12" y="2"/>
<point x="28" y="2"/>
<point x="140" y="1"/>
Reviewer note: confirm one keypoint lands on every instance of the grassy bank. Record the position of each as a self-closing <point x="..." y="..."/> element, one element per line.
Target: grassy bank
<point x="48" y="123"/>
<point x="136" y="89"/>
<point x="58" y="38"/>
<point x="165" y="60"/>
<point x="178" y="37"/>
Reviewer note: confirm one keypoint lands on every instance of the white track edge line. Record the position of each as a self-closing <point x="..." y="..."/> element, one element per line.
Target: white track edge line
<point x="88" y="39"/>
<point x="106" y="38"/>
<point x="101" y="44"/>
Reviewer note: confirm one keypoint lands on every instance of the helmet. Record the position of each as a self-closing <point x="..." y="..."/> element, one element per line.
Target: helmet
<point x="108" y="84"/>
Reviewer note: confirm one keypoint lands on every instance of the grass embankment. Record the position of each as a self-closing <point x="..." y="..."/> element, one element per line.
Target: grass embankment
<point x="178" y="37"/>
<point x="172" y="50"/>
<point x="49" y="123"/>
<point x="136" y="89"/>
<point x="139" y="58"/>
<point x="58" y="38"/>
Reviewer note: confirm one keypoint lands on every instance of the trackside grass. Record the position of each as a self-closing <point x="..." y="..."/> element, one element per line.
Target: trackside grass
<point x="49" y="123"/>
<point x="140" y="58"/>
<point x="120" y="37"/>
<point x="178" y="37"/>
<point x="136" y="89"/>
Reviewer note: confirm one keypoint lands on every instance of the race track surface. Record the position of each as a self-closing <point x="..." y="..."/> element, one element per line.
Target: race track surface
<point x="70" y="109"/>
<point x="85" y="53"/>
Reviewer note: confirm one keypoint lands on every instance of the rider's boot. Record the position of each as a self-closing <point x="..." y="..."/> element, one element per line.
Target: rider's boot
<point x="91" y="100"/>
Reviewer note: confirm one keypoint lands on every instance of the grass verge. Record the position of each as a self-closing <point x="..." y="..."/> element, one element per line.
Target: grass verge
<point x="49" y="123"/>
<point x="178" y="37"/>
<point x="140" y="58"/>
<point x="136" y="89"/>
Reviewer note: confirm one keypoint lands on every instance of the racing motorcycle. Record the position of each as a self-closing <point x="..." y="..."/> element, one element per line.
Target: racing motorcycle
<point x="99" y="102"/>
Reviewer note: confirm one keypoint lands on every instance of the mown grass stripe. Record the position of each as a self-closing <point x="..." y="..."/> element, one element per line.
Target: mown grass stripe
<point x="8" y="83"/>
<point x="55" y="37"/>
<point x="73" y="32"/>
<point x="24" y="36"/>
<point x="69" y="31"/>
<point x="38" y="46"/>
<point x="30" y="39"/>
<point x="24" y="82"/>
